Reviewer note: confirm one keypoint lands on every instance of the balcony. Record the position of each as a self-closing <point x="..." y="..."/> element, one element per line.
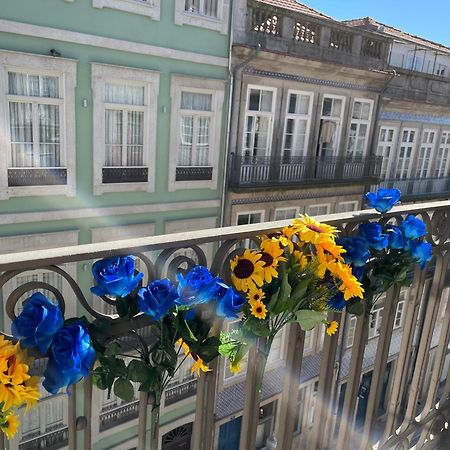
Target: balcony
<point x="419" y="188"/>
<point x="119" y="414"/>
<point x="198" y="173"/>
<point x="279" y="29"/>
<point x="37" y="176"/>
<point x="180" y="392"/>
<point x="265" y="171"/>
<point x="48" y="441"/>
<point x="417" y="394"/>
<point x="125" y="174"/>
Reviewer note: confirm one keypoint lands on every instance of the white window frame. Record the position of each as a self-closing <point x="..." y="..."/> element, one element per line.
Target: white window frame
<point x="219" y="23"/>
<point x="149" y="8"/>
<point x="351" y="332"/>
<point x="382" y="147"/>
<point x="102" y="74"/>
<point x="442" y="170"/>
<point x="307" y="117"/>
<point x="270" y="115"/>
<point x="358" y="123"/>
<point x="277" y="210"/>
<point x="355" y="203"/>
<point x="338" y="121"/>
<point x="423" y="167"/>
<point x="318" y="205"/>
<point x="400" y="309"/>
<point x="376" y="316"/>
<point x="247" y="242"/>
<point x="65" y="70"/>
<point x="216" y="88"/>
<point x="413" y="146"/>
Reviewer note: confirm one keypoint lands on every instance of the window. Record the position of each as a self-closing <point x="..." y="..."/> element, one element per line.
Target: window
<point x="425" y="150"/>
<point x="209" y="14"/>
<point x="443" y="156"/>
<point x="309" y="341"/>
<point x="246" y="219"/>
<point x="399" y="311"/>
<point x="266" y="422"/>
<point x="375" y="322"/>
<point x="258" y="122"/>
<point x="38" y="125"/>
<point x="386" y="145"/>
<point x="330" y="125"/>
<point x="125" y="105"/>
<point x="441" y="70"/>
<point x="347" y="206"/>
<point x="195" y="139"/>
<point x="285" y="213"/>
<point x="297" y="124"/>
<point x="319" y="210"/>
<point x="351" y="331"/>
<point x="149" y="8"/>
<point x="276" y="351"/>
<point x="359" y="128"/>
<point x="408" y="141"/>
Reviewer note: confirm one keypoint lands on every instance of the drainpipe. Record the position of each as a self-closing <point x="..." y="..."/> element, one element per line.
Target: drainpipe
<point x="234" y="73"/>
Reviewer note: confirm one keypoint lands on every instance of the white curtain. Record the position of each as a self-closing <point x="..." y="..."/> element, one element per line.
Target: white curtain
<point x="46" y="149"/>
<point x="196" y="102"/>
<point x="124" y="144"/>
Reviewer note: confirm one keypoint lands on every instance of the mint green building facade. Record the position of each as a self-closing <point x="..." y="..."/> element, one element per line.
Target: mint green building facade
<point x="113" y="124"/>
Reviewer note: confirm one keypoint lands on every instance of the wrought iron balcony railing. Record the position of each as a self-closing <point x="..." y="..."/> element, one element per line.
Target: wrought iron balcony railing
<point x="37" y="176"/>
<point x="180" y="392"/>
<point x="418" y="397"/>
<point x="120" y="414"/>
<point x="48" y="441"/>
<point x="420" y="188"/>
<point x="262" y="171"/>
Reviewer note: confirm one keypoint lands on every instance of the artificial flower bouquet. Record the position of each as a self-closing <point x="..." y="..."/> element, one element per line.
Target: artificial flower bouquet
<point x="296" y="275"/>
<point x="383" y="254"/>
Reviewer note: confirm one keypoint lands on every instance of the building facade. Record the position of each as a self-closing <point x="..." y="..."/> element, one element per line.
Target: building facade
<point x="113" y="119"/>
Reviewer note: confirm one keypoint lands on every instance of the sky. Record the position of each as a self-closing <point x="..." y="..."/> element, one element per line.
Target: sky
<point x="425" y="18"/>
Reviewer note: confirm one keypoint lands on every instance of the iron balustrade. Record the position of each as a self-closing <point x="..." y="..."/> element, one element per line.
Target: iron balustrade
<point x="180" y="392"/>
<point x="416" y="188"/>
<point x="262" y="171"/>
<point x="125" y="174"/>
<point x="197" y="173"/>
<point x="418" y="402"/>
<point x="37" y="176"/>
<point x="48" y="441"/>
<point x="119" y="414"/>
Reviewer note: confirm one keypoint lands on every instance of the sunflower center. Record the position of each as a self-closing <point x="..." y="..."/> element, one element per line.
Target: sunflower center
<point x="256" y="297"/>
<point x="244" y="268"/>
<point x="266" y="258"/>
<point x="259" y="309"/>
<point x="314" y="228"/>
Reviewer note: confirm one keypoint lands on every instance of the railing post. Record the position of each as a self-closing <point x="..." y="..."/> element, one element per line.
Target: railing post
<point x="291" y="385"/>
<point x="88" y="412"/>
<point x="323" y="409"/>
<point x="252" y="399"/>
<point x="381" y="357"/>
<point x="142" y="429"/>
<point x="72" y="419"/>
<point x="348" y="411"/>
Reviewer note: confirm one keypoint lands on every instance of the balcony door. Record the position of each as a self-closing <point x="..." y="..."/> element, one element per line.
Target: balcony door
<point x="442" y="165"/>
<point x="178" y="439"/>
<point x="296" y="135"/>
<point x="406" y="153"/>
<point x="424" y="154"/>
<point x="386" y="145"/>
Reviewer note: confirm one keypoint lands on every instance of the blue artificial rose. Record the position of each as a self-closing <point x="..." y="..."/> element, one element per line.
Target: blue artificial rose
<point x="115" y="276"/>
<point x="196" y="287"/>
<point x="421" y="252"/>
<point x="372" y="232"/>
<point x="38" y="322"/>
<point x="357" y="250"/>
<point x="229" y="302"/>
<point x="383" y="200"/>
<point x="157" y="298"/>
<point x="396" y="239"/>
<point x="71" y="357"/>
<point x="413" y="228"/>
<point x="337" y="302"/>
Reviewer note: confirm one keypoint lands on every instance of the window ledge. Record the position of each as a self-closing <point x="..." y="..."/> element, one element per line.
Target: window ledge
<point x="34" y="191"/>
<point x="152" y="11"/>
<point x="106" y="188"/>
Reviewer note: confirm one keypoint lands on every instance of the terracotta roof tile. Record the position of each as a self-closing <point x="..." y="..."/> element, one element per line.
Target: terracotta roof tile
<point x="293" y="5"/>
<point x="372" y="24"/>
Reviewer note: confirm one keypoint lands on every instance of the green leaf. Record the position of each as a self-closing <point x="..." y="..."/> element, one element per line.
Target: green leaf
<point x="257" y="327"/>
<point x="284" y="296"/>
<point x="122" y="306"/>
<point x="124" y="389"/>
<point x="151" y="383"/>
<point x="273" y="300"/>
<point x="99" y="380"/>
<point x="356" y="309"/>
<point x="112" y="349"/>
<point x="209" y="349"/>
<point x="138" y="371"/>
<point x="309" y="319"/>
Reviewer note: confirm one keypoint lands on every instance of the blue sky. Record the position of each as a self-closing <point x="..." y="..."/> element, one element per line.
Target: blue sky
<point x="426" y="18"/>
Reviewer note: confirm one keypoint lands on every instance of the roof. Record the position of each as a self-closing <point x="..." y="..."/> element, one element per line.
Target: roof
<point x="374" y="25"/>
<point x="293" y="5"/>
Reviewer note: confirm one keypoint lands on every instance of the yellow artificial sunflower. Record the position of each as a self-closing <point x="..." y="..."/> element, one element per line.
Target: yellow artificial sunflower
<point x="310" y="230"/>
<point x="332" y="327"/>
<point x="350" y="286"/>
<point x="271" y="255"/>
<point x="235" y="368"/>
<point x="255" y="295"/>
<point x="301" y="258"/>
<point x="247" y="271"/>
<point x="10" y="426"/>
<point x="324" y="260"/>
<point x="333" y="249"/>
<point x="199" y="365"/>
<point x="184" y="346"/>
<point x="258" y="310"/>
<point x="9" y="396"/>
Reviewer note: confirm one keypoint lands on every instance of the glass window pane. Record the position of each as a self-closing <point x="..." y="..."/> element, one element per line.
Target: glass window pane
<point x="135" y="138"/>
<point x="123" y="94"/>
<point x="193" y="101"/>
<point x="21" y="127"/>
<point x="113" y="138"/>
<point x="33" y="85"/>
<point x="49" y="146"/>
